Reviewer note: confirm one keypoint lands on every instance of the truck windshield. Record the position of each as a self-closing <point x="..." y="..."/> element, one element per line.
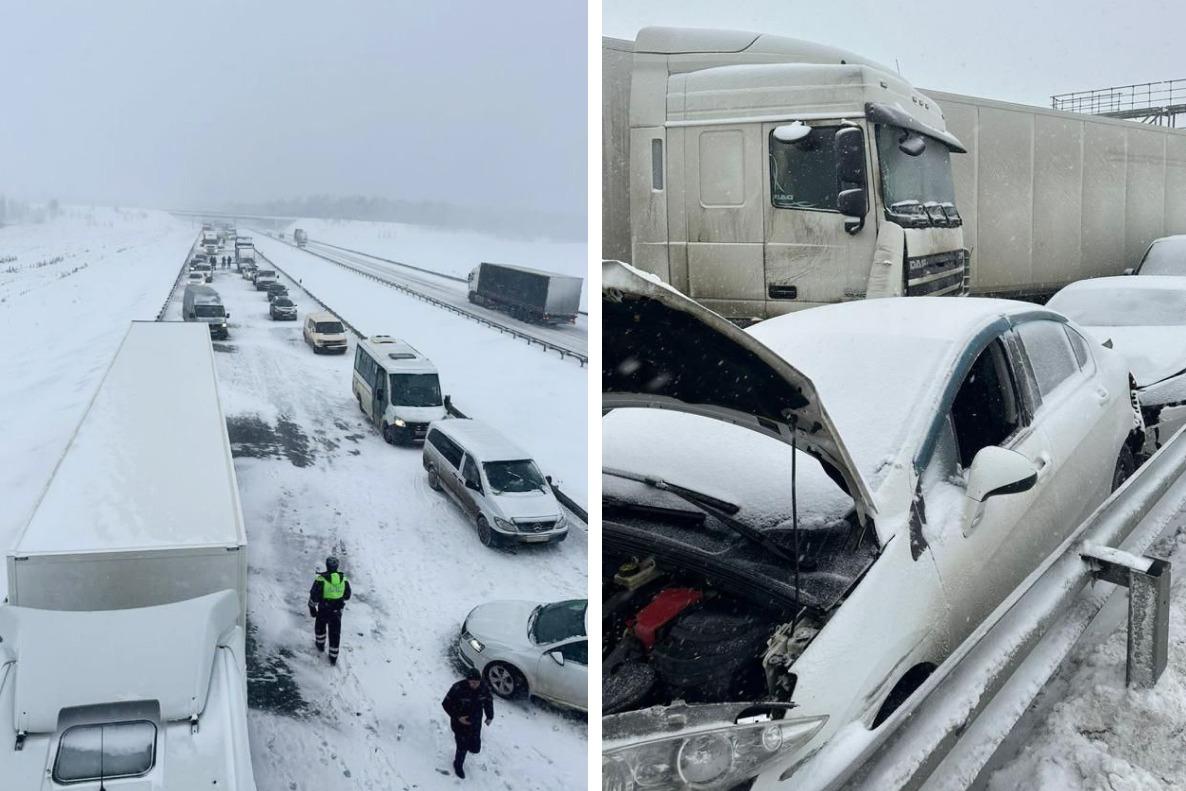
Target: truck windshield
<point x="208" y="311"/>
<point x="514" y="476"/>
<point x="415" y="390"/>
<point x="918" y="190"/>
<point x="803" y="173"/>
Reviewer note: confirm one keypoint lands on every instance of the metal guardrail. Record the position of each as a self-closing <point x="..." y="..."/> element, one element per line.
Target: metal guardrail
<point x="160" y="314"/>
<point x="583" y="359"/>
<point x="1152" y="102"/>
<point x="967" y="708"/>
<point x="452" y="408"/>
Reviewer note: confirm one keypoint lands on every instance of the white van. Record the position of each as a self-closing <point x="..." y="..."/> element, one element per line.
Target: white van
<point x="495" y="482"/>
<point x="398" y="388"/>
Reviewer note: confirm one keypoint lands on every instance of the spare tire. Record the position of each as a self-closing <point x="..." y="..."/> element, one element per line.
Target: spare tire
<point x="712" y="652"/>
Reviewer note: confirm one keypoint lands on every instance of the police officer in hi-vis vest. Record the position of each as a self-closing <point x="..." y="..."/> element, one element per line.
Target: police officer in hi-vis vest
<point x="327" y="597"/>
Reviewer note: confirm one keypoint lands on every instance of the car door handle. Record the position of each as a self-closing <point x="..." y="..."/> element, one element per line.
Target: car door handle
<point x="1101" y="394"/>
<point x="1042" y="462"/>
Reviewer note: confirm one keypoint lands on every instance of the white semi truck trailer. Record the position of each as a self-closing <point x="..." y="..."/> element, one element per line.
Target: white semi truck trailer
<point x="761" y="174"/>
<point x="122" y="640"/>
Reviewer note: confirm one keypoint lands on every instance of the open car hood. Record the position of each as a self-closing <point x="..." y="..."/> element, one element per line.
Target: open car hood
<point x="662" y="350"/>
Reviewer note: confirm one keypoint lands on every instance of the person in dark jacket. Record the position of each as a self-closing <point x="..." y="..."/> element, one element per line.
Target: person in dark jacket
<point x="465" y="703"/>
<point x="327" y="598"/>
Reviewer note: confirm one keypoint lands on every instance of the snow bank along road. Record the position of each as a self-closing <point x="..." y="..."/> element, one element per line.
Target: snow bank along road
<point x="68" y="288"/>
<point x="316" y="478"/>
<point x="445" y="291"/>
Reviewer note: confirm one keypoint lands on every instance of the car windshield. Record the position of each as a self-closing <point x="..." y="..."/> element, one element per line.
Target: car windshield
<point x="329" y="327"/>
<point x="1122" y="307"/>
<point x="415" y="390"/>
<point x="550" y="623"/>
<point x="514" y="476"/>
<point x="917" y="189"/>
<point x="1165" y="257"/>
<point x="266" y="273"/>
<point x="283" y="302"/>
<point x="209" y="311"/>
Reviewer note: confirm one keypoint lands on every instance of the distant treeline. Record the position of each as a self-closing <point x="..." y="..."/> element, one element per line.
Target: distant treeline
<point x="502" y="221"/>
<point x="13" y="211"/>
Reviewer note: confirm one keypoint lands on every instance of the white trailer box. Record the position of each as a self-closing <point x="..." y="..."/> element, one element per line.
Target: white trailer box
<point x="124" y="633"/>
<point x="143" y="508"/>
<point x="1050" y="197"/>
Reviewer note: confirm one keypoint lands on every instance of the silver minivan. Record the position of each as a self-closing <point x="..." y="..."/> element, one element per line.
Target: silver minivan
<point x="496" y="484"/>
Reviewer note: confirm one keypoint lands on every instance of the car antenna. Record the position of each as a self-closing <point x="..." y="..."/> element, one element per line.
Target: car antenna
<point x="795" y="512"/>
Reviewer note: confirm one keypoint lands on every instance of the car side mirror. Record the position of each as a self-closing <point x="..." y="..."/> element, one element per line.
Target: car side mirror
<point x="996" y="471"/>
<point x="548" y="478"/>
<point x="379" y="394"/>
<point x="557" y="657"/>
<point x="1130" y="271"/>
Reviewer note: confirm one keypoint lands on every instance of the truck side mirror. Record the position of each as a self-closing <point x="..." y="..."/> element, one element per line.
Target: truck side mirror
<point x="853" y="199"/>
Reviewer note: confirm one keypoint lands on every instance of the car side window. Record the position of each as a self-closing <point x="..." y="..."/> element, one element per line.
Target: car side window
<point x="986" y="409"/>
<point x="1050" y="353"/>
<point x="446" y="446"/>
<point x="576" y="652"/>
<point x="469" y="471"/>
<point x="1081" y="348"/>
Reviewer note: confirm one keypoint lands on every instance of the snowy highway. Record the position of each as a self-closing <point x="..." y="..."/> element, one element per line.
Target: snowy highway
<point x="446" y="289"/>
<point x="316" y="478"/>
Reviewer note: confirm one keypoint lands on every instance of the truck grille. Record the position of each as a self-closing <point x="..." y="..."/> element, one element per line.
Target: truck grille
<point x="536" y="526"/>
<point x="936" y="275"/>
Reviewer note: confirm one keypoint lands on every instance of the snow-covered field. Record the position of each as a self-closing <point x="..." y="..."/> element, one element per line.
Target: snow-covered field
<point x="448" y="251"/>
<point x="314" y="479"/>
<point x="532" y="396"/>
<point x="68" y="288"/>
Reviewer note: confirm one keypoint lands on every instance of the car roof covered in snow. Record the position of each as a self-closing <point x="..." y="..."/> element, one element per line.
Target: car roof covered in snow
<point x="323" y="315"/>
<point x="881" y="365"/>
<point x="1127" y="282"/>
<point x="397" y="356"/>
<point x="146" y="468"/>
<point x="481" y="439"/>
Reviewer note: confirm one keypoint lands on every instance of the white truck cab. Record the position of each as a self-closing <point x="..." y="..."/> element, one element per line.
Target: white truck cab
<point x="767" y="174"/>
<point x="398" y="388"/>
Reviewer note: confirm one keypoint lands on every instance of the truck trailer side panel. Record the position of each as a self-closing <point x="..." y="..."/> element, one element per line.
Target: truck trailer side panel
<point x="1049" y="197"/>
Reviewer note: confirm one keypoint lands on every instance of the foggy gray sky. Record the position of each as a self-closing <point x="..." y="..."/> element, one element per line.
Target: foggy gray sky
<point x="1000" y="49"/>
<point x="196" y="102"/>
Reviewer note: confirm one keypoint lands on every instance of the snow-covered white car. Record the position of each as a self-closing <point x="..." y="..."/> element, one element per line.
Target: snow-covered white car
<point x="1143" y="318"/>
<point x="530" y="648"/>
<point x="195" y="279"/>
<point x="802" y="520"/>
<point x="1165" y="256"/>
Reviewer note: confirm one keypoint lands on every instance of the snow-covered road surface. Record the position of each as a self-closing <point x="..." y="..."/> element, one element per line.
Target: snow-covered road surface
<point x="315" y="479"/>
<point x="539" y="400"/>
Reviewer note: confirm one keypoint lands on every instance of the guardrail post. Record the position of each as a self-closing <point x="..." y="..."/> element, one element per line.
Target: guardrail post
<point x="1148" y="583"/>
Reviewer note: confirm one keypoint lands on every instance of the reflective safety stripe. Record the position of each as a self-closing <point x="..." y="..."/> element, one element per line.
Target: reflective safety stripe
<point x="333" y="586"/>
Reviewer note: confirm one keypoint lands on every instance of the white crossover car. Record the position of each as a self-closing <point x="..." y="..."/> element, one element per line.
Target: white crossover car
<point x="1143" y="318"/>
<point x="803" y="519"/>
<point x="529" y="648"/>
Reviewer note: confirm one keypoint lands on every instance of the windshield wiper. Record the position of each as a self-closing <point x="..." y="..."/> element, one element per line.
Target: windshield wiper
<point x="722" y="510"/>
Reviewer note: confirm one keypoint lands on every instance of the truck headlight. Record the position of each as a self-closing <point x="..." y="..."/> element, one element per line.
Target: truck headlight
<point x="476" y="644"/>
<point x="715" y="758"/>
<point x="399" y="421"/>
<point x="505" y="525"/>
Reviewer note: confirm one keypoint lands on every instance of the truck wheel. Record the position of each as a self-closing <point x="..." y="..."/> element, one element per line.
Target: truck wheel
<point x="506" y="681"/>
<point x="1125" y="465"/>
<point x="434" y="480"/>
<point x="358" y="398"/>
<point x="485" y="534"/>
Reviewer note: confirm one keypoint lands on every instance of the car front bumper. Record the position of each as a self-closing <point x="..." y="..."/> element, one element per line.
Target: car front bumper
<point x="524" y="537"/>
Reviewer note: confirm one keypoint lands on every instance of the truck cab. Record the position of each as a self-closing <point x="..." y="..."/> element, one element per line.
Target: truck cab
<point x="769" y="175"/>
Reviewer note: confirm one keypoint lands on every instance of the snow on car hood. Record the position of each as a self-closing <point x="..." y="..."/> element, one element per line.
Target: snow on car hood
<point x="501" y="621"/>
<point x="662" y="350"/>
<point x="1152" y="353"/>
<point x="527" y="505"/>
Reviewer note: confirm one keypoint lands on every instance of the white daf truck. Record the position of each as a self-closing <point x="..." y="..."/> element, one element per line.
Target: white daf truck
<point x="122" y="656"/>
<point x="729" y="171"/>
<point x="764" y="174"/>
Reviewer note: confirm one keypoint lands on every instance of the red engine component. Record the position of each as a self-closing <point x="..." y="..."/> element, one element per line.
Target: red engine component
<point x="667" y="604"/>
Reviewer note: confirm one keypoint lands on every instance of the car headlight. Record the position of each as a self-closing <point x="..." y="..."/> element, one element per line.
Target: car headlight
<point x="476" y="644"/>
<point x="399" y="421"/>
<point x="714" y="758"/>
<point x="562" y="521"/>
<point x="505" y="525"/>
